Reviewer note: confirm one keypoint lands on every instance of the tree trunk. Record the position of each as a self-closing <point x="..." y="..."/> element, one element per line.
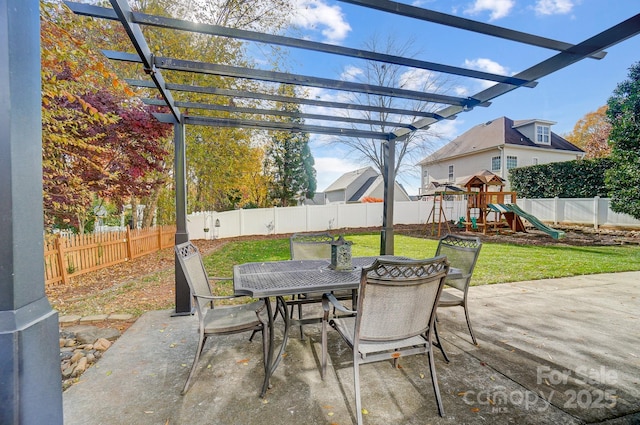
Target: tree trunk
<point x="134" y="213"/>
<point x="150" y="210"/>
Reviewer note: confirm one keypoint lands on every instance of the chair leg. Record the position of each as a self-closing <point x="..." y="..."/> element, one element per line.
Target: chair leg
<point x="356" y="384"/>
<point x="255" y="331"/>
<point x="275" y="316"/>
<point x="299" y="315"/>
<point x="299" y="318"/>
<point x="434" y="381"/>
<point x="203" y="339"/>
<point x="265" y="347"/>
<point x="466" y="314"/>
<point x="438" y="343"/>
<point x="323" y="368"/>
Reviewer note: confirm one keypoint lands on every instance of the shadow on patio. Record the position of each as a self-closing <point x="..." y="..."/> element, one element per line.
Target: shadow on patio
<point x="559" y="351"/>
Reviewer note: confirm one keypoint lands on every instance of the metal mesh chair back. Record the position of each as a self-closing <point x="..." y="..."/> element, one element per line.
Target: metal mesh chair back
<point x="397" y="299"/>
<point x="462" y="253"/>
<point x="310" y="246"/>
<point x="221" y="321"/>
<point x="195" y="274"/>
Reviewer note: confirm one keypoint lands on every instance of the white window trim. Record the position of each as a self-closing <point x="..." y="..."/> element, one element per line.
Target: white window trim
<point x="499" y="158"/>
<point x="507" y="161"/>
<point x="540" y="127"/>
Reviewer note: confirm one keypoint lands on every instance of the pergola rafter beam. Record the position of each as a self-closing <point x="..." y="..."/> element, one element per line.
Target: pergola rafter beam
<point x="174" y="64"/>
<point x="123" y="11"/>
<point x="275" y="126"/>
<point x="217" y="30"/>
<point x="466" y="24"/>
<point x="281" y="113"/>
<point x="287" y="99"/>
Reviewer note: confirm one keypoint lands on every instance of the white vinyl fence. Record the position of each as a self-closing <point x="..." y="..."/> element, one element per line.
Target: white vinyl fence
<point x="264" y="221"/>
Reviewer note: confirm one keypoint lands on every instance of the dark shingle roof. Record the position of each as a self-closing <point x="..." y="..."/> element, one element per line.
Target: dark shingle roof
<point x="363" y="189"/>
<point x="492" y="134"/>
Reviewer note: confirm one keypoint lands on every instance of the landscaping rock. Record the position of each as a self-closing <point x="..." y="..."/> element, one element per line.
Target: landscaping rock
<point x="102" y="344"/>
<point x="80" y="347"/>
<point x="86" y="334"/>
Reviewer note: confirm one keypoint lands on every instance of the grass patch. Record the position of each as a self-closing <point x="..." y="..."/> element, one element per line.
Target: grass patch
<point x="497" y="263"/>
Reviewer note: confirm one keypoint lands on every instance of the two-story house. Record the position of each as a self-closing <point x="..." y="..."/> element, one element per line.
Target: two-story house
<point x="498" y="146"/>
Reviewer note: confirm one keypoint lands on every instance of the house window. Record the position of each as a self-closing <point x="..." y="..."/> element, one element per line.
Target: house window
<point x="450" y="173"/>
<point x="495" y="163"/>
<point x="534" y="161"/>
<point x="512" y="162"/>
<point x="543" y="134"/>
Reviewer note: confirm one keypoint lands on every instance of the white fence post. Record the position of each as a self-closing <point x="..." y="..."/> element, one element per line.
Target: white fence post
<point x="596" y="212"/>
<point x="583" y="211"/>
<point x="276" y="229"/>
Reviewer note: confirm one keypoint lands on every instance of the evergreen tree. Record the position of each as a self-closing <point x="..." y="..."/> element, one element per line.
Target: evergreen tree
<point x="623" y="178"/>
<point x="289" y="165"/>
<point x="289" y="162"/>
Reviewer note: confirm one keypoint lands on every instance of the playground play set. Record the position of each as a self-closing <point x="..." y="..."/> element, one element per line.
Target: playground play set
<point x="488" y="208"/>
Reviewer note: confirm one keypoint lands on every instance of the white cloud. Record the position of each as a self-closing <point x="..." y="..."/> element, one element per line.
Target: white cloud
<point x="317" y="15"/>
<point x="486" y="65"/>
<point x="447" y="130"/>
<point x="498" y="8"/>
<point x="416" y="79"/>
<point x="421" y="3"/>
<point x="351" y="73"/>
<point x="461" y="91"/>
<point x="553" y="7"/>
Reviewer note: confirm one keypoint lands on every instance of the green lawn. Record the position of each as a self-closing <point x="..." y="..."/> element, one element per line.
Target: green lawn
<point x="497" y="262"/>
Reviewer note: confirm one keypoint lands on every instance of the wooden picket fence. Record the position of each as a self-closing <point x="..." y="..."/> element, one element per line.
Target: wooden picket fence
<point x="69" y="256"/>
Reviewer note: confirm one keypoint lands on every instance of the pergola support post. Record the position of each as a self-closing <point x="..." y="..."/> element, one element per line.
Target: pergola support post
<point x="389" y="179"/>
<point x="30" y="389"/>
<point x="183" y="294"/>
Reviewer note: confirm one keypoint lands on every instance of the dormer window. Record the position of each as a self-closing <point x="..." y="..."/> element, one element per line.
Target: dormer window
<point x="543" y="134"/>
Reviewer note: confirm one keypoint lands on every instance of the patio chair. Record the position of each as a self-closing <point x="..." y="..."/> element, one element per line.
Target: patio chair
<point x="214" y="320"/>
<point x="462" y="253"/>
<point x="391" y="320"/>
<point x="311" y="246"/>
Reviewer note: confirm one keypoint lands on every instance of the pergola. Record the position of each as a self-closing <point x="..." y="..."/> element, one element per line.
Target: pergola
<point x="26" y="319"/>
<point x="563" y="54"/>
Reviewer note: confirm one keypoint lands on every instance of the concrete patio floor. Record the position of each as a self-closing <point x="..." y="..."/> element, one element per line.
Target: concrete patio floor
<point x="558" y="351"/>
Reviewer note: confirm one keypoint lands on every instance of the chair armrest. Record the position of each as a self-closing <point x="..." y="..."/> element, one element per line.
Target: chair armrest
<point x="328" y="300"/>
<point x="217" y="297"/>
<point x="219" y="278"/>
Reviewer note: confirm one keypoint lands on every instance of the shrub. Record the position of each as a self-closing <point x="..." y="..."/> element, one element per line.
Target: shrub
<point x="582" y="178"/>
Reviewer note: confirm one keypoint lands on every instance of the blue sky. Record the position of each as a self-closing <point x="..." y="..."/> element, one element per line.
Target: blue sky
<point x="563" y="97"/>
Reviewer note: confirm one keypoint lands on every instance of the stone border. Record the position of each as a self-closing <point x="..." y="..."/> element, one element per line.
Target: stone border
<point x="71" y="320"/>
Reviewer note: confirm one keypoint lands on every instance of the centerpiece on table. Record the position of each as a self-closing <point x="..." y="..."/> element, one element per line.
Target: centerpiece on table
<point x="341" y="254"/>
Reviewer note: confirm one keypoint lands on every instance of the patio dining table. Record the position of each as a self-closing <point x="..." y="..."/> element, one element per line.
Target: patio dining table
<point x="286" y="278"/>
